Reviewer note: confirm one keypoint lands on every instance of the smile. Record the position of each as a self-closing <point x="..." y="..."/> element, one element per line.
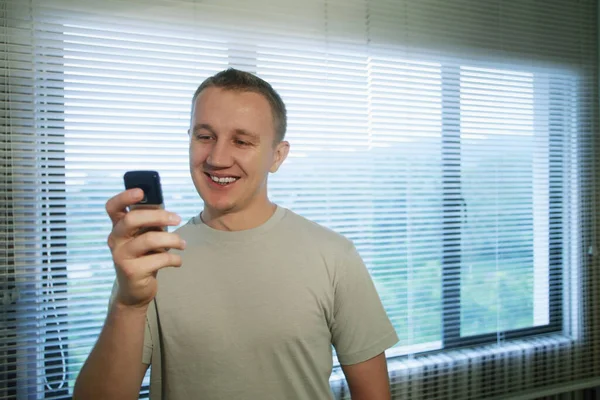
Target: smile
<point x="222" y="180"/>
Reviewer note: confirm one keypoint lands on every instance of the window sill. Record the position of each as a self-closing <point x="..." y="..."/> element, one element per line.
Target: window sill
<point x="464" y="367"/>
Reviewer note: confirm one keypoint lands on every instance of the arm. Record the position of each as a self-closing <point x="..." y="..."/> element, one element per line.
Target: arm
<point x="114" y="369"/>
<point x="369" y="379"/>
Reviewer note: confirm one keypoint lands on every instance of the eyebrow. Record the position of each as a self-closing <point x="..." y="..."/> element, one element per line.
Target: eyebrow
<point x="249" y="134"/>
<point x="239" y="131"/>
<point x="207" y="127"/>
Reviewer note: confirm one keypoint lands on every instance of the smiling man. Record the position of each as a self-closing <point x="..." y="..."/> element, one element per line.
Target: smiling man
<point x="235" y="141"/>
<point x="259" y="294"/>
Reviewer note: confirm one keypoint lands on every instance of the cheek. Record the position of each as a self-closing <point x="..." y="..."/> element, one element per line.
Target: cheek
<point x="197" y="155"/>
<point x="257" y="163"/>
<point x="269" y="162"/>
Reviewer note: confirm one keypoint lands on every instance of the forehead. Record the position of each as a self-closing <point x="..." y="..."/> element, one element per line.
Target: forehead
<point x="230" y="110"/>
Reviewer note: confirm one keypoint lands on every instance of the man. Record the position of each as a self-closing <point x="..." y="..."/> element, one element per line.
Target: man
<point x="258" y="294"/>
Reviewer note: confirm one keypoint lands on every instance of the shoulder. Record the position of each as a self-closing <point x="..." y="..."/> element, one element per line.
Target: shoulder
<point x="306" y="230"/>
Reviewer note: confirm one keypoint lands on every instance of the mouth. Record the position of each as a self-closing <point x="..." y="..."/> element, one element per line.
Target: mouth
<point x="222" y="181"/>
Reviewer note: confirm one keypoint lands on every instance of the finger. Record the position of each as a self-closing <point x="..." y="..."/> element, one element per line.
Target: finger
<point x="152" y="241"/>
<point x="116" y="206"/>
<point x="151" y="263"/>
<point x="133" y="221"/>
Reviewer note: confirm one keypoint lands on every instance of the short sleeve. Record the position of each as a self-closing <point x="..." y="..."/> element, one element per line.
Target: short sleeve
<point x="361" y="328"/>
<point x="148" y="344"/>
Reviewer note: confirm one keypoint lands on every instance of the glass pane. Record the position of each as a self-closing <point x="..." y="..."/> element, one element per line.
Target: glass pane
<point x="498" y="145"/>
<point x="406" y="171"/>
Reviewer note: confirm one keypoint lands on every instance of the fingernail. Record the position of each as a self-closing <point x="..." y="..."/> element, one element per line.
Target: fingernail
<point x="174" y="218"/>
<point x="183" y="243"/>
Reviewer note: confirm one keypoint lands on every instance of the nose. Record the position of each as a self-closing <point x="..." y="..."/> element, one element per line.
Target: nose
<point x="219" y="155"/>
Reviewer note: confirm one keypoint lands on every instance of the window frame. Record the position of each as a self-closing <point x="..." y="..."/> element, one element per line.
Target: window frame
<point x="454" y="208"/>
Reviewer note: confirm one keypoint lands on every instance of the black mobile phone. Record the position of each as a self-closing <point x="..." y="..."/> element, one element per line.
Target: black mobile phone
<point x="149" y="182"/>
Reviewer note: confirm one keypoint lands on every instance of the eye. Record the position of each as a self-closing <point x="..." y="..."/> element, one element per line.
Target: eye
<point x="204" y="138"/>
<point x="241" y="142"/>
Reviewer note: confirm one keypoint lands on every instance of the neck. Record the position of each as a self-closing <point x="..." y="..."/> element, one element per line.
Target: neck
<point x="248" y="218"/>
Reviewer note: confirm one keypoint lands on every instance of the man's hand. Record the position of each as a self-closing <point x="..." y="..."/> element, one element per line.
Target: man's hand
<point x="369" y="380"/>
<point x="137" y="258"/>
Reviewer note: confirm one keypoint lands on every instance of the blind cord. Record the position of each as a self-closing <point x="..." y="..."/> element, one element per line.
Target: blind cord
<point x="60" y="344"/>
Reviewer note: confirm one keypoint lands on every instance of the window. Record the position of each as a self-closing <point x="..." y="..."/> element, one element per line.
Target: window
<point x="432" y="170"/>
<point x="457" y="172"/>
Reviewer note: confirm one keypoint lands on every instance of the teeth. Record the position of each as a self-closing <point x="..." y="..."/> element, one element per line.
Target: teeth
<point x="223" y="180"/>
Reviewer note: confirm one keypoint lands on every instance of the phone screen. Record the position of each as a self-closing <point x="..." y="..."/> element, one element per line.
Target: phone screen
<point x="149" y="182"/>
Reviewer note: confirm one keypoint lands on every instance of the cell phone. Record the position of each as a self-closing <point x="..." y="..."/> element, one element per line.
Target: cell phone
<point x="149" y="182"/>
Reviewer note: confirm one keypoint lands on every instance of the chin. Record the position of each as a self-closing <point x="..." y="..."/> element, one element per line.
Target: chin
<point x="220" y="206"/>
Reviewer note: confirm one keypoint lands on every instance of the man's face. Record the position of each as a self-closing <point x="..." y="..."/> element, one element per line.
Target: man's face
<point x="233" y="148"/>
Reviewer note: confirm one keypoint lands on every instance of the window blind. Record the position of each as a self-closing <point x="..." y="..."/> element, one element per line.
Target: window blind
<point x="453" y="142"/>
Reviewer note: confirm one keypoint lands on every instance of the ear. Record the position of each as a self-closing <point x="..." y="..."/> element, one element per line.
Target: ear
<point x="281" y="152"/>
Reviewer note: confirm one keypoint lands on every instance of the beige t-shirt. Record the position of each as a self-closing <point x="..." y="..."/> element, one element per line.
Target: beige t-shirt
<point x="253" y="314"/>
